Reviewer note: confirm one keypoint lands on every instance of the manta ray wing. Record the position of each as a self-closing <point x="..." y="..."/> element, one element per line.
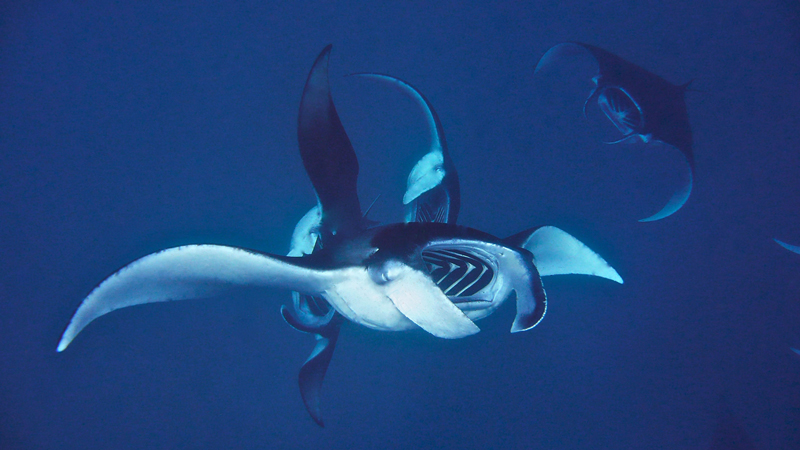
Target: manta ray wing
<point x="790" y="247"/>
<point x="332" y="166"/>
<point x="556" y="252"/>
<point x="188" y="272"/>
<point x="312" y="373"/>
<point x="679" y="198"/>
<point x="328" y="155"/>
<point x="432" y="191"/>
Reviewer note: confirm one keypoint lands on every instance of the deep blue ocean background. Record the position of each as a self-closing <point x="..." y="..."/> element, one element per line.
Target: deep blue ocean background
<point x="128" y="127"/>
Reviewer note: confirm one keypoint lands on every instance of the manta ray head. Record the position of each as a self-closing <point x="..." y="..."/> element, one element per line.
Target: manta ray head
<point x="475" y="271"/>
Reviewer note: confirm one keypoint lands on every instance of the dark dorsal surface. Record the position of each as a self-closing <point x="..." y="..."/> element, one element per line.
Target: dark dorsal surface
<point x="662" y="103"/>
<point x="327" y="153"/>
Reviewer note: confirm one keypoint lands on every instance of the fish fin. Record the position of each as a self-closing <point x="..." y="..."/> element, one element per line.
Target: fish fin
<point x="419" y="299"/>
<point x="313" y="371"/>
<point x="679" y="198"/>
<point x="558" y="51"/>
<point x="433" y="172"/>
<point x="790" y="247"/>
<point x="556" y="252"/>
<point x="328" y="155"/>
<point x="191" y="271"/>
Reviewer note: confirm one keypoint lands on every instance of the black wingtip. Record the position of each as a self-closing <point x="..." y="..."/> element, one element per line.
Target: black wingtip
<point x="312" y="374"/>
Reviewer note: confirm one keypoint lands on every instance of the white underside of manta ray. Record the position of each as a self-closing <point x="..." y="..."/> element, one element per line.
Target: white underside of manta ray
<point x="427" y="274"/>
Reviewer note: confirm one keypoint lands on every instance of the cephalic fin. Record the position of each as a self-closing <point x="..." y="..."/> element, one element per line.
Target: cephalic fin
<point x="421" y="300"/>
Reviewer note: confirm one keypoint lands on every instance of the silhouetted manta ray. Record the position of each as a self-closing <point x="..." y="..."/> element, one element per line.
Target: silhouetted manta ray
<point x="431" y="275"/>
<point x="641" y="105"/>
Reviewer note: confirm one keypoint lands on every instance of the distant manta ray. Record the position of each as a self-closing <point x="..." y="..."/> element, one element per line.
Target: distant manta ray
<point x="427" y="273"/>
<point x="641" y="105"/>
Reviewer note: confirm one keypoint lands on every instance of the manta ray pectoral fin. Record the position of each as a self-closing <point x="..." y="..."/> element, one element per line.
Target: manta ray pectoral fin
<point x="326" y="151"/>
<point x="556" y="252"/>
<point x="679" y="197"/>
<point x="420" y="299"/>
<point x="790" y="247"/>
<point x="432" y="191"/>
<point x="192" y="271"/>
<point x="312" y="374"/>
<point x="558" y="51"/>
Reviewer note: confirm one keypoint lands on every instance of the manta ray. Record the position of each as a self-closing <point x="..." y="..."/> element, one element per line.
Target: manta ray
<point x="643" y="106"/>
<point x="425" y="273"/>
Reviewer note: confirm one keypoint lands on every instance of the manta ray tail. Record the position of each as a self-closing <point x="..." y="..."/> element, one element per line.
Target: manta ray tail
<point x="555" y="252"/>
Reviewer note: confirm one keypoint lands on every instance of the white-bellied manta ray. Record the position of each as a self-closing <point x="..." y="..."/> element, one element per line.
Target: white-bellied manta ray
<point x="427" y="273"/>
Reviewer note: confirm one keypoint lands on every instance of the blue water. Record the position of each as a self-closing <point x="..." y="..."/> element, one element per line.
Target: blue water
<point x="128" y="127"/>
